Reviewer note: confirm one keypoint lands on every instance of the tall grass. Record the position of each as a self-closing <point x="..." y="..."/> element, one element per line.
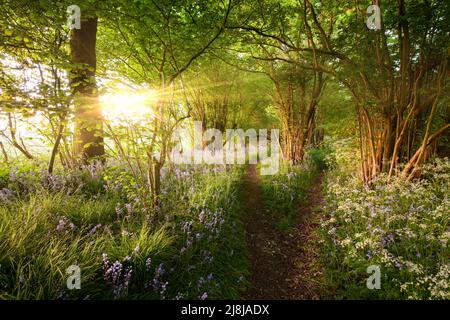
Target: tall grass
<point x="286" y="190"/>
<point x="191" y="246"/>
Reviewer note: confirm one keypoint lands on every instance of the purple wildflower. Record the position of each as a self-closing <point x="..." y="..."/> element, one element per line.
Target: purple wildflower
<point x="160" y="269"/>
<point x="148" y="263"/>
<point x="61" y="225"/>
<point x="201" y="216"/>
<point x="95" y="228"/>
<point x="179" y="296"/>
<point x="200" y="282"/>
<point x="136" y="250"/>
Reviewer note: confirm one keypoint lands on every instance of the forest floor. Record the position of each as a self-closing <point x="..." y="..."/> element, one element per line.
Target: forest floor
<point x="283" y="265"/>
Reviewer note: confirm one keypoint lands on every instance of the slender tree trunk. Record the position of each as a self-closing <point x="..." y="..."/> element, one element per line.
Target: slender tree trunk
<point x="55" y="147"/>
<point x="15" y="143"/>
<point x="5" y="154"/>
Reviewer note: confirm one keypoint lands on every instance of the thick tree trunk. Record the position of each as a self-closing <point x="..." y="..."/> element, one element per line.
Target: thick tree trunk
<point x="88" y="135"/>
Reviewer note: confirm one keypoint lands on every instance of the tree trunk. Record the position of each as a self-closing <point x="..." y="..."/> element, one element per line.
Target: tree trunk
<point x="88" y="134"/>
<point x="55" y="147"/>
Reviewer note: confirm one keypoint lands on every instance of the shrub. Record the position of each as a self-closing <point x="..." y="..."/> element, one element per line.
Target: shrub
<point x="322" y="157"/>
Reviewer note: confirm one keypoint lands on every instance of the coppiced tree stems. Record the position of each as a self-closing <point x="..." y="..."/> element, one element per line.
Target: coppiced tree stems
<point x="390" y="103"/>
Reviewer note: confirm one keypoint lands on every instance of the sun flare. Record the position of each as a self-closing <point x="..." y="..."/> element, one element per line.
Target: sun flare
<point x="128" y="105"/>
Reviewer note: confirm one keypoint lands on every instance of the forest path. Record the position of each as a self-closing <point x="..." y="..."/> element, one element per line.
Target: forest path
<point x="281" y="267"/>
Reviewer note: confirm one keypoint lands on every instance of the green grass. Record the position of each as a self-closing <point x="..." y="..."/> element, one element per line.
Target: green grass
<point x="285" y="191"/>
<point x="46" y="228"/>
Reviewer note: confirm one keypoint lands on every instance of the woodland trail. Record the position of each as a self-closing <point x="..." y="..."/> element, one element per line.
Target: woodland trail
<point x="281" y="266"/>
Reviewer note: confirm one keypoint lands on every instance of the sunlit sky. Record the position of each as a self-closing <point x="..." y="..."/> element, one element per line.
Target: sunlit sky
<point x="119" y="102"/>
<point x="128" y="104"/>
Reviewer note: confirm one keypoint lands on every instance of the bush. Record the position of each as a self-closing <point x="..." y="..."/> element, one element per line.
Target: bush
<point x="321" y="158"/>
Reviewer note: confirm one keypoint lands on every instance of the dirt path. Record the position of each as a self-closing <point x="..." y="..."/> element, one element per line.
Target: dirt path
<point x="281" y="265"/>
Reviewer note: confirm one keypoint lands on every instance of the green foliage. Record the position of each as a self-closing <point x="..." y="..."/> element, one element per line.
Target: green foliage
<point x="336" y="113"/>
<point x="283" y="192"/>
<point x="343" y="158"/>
<point x="322" y="157"/>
